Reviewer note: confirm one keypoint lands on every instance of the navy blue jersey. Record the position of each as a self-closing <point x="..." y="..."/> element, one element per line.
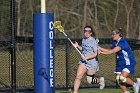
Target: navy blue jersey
<point x="125" y="55"/>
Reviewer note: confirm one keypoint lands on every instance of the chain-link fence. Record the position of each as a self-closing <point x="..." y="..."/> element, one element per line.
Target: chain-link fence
<point x="5" y="44"/>
<point x="66" y="62"/>
<point x="67" y="58"/>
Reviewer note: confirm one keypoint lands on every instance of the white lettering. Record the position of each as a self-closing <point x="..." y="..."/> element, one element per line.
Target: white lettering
<point x="51" y="72"/>
<point x="51" y="82"/>
<point x="51" y="63"/>
<point x="51" y="36"/>
<point x="51" y="45"/>
<point x="51" y="25"/>
<point x="51" y="54"/>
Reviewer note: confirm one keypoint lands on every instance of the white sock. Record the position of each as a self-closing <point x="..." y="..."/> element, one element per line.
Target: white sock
<point x="74" y="92"/>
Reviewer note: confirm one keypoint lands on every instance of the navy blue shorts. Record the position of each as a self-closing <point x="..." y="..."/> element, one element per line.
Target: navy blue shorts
<point x="127" y="68"/>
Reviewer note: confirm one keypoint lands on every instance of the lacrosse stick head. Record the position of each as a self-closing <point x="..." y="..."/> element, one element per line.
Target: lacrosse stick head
<point x="57" y="25"/>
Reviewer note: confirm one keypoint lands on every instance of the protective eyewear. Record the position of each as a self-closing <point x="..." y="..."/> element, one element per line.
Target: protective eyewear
<point x="114" y="33"/>
<point x="87" y="30"/>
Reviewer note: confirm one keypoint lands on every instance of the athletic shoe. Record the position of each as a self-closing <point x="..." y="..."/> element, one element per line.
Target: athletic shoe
<point x="138" y="81"/>
<point x="136" y="86"/>
<point x="127" y="92"/>
<point x="102" y="83"/>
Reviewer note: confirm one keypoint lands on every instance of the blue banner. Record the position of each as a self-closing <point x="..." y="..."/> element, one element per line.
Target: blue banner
<point x="43" y="53"/>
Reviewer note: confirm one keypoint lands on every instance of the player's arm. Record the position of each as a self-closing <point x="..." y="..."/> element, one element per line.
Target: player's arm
<point x="103" y="49"/>
<point x="111" y="51"/>
<point x="93" y="55"/>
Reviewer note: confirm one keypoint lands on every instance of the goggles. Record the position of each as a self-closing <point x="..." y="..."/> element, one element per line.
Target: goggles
<point x="115" y="33"/>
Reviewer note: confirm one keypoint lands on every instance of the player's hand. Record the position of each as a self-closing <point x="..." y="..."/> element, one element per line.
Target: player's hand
<point x="99" y="51"/>
<point x="75" y="44"/>
<point x="102" y="52"/>
<point x="83" y="57"/>
<point x="99" y="48"/>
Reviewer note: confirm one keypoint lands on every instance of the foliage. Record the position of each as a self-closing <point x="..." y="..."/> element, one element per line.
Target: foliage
<point x="103" y="15"/>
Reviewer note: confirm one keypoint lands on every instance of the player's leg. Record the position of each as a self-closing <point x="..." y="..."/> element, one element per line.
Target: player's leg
<point x="124" y="78"/>
<point x="121" y="79"/>
<point x="120" y="83"/>
<point x="80" y="72"/>
<point x="92" y="79"/>
<point x="130" y="70"/>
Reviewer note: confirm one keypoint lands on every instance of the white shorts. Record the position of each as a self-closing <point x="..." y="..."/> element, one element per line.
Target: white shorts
<point x="91" y="65"/>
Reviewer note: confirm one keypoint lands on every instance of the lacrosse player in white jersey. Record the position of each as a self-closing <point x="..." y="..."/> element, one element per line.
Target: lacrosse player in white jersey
<point x="89" y="63"/>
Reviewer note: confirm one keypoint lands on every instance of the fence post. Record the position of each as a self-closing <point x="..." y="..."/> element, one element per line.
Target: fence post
<point x="67" y="77"/>
<point x="13" y="46"/>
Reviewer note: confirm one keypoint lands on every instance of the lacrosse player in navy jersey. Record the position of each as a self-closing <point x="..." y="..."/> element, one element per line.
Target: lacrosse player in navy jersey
<point x="88" y="63"/>
<point x="125" y="62"/>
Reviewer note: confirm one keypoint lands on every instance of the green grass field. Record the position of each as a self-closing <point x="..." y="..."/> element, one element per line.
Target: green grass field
<point x="97" y="91"/>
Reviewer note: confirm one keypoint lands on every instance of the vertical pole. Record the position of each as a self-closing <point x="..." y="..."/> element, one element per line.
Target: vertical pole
<point x="117" y="85"/>
<point x="67" y="76"/>
<point x="43" y="6"/>
<point x="13" y="50"/>
<point x="43" y="53"/>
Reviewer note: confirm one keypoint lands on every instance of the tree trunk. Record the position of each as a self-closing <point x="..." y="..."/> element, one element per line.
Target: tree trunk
<point x="128" y="11"/>
<point x="85" y="13"/>
<point x="18" y="17"/>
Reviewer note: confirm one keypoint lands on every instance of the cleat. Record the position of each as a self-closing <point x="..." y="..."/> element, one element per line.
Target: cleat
<point x="136" y="86"/>
<point x="127" y="92"/>
<point x="138" y="81"/>
<point x="102" y="83"/>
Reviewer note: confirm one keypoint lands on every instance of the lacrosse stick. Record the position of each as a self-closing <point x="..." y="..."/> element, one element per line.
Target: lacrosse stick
<point x="97" y="41"/>
<point x="57" y="25"/>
